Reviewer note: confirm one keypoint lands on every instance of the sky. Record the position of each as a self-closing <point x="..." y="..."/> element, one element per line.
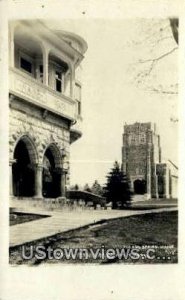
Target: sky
<point x="118" y="84"/>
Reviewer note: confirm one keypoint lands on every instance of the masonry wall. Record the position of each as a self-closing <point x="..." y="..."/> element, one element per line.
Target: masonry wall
<point x="24" y="118"/>
<point x="140" y="153"/>
<point x="42" y="129"/>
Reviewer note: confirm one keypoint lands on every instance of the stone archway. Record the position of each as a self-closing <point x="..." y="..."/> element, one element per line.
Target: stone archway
<point x="23" y="168"/>
<point x="52" y="170"/>
<point x="140" y="186"/>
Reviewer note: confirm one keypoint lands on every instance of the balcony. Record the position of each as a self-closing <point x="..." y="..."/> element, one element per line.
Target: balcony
<point x="33" y="91"/>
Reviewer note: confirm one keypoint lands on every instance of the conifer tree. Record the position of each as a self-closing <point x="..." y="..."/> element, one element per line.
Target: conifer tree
<point x="96" y="188"/>
<point x="87" y="188"/>
<point x="117" y="189"/>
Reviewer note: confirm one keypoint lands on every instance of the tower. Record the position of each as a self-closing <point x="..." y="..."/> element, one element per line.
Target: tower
<point x="141" y="152"/>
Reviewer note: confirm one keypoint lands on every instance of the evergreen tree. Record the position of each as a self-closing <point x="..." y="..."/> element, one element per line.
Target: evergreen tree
<point x="117" y="189"/>
<point x="87" y="188"/>
<point x="76" y="187"/>
<point x="96" y="188"/>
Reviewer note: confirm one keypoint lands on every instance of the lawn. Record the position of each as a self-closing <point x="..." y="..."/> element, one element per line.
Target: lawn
<point x="157" y="231"/>
<point x="16" y="218"/>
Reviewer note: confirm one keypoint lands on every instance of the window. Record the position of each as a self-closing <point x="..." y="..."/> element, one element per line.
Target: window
<point x="77" y="91"/>
<point x="41" y="72"/>
<point x="79" y="107"/>
<point x="142" y="138"/>
<point x="132" y="139"/>
<point x="26" y="65"/>
<point x="78" y="97"/>
<point x="58" y="81"/>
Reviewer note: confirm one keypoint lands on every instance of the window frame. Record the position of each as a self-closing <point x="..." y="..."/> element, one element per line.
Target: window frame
<point x="58" y="80"/>
<point x="27" y="57"/>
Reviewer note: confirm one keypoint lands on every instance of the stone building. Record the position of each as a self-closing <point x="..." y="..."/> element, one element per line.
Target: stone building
<point x="141" y="161"/>
<point x="45" y="107"/>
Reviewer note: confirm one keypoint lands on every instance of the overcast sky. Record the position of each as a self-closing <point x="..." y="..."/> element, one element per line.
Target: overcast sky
<point x="118" y="90"/>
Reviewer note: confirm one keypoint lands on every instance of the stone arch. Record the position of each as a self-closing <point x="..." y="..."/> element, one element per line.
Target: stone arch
<point x="52" y="170"/>
<point x="26" y="33"/>
<point x="56" y="154"/>
<point x="23" y="167"/>
<point x="31" y="147"/>
<point x="140" y="186"/>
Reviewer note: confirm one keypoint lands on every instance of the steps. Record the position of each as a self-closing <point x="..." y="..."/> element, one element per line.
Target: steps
<point x="138" y="198"/>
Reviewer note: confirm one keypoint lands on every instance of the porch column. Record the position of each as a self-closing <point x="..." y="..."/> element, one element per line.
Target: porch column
<point x="38" y="181"/>
<point x="45" y="66"/>
<point x="132" y="185"/>
<point x="11" y="41"/>
<point x="166" y="186"/>
<point x="72" y="82"/>
<point x="11" y="162"/>
<point x="63" y="183"/>
<point x="155" y="188"/>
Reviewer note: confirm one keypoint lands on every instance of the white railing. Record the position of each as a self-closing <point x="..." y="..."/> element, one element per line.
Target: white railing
<point x="28" y="88"/>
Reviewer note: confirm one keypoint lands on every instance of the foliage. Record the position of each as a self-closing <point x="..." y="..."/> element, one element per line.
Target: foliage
<point x="87" y="188"/>
<point x="96" y="188"/>
<point x="117" y="189"/>
<point x="75" y="187"/>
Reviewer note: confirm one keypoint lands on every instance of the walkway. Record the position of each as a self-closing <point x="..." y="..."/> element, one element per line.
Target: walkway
<point x="64" y="221"/>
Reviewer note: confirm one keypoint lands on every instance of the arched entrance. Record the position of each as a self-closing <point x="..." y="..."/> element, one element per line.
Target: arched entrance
<point x="51" y="178"/>
<point x="23" y="169"/>
<point x="140" y="186"/>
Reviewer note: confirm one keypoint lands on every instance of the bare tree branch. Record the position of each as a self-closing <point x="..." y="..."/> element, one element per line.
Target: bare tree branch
<point x="163" y="91"/>
<point x="164" y="38"/>
<point x="159" y="57"/>
<point x="158" y="43"/>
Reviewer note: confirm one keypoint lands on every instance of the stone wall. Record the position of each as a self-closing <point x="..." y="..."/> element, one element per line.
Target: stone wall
<point x="140" y="153"/>
<point x="42" y="130"/>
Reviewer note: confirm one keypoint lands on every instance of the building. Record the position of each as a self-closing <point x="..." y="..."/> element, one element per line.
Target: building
<point x="141" y="161"/>
<point x="45" y="107"/>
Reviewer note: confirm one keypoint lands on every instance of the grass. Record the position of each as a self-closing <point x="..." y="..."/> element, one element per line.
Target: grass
<point x="16" y="218"/>
<point x="157" y="230"/>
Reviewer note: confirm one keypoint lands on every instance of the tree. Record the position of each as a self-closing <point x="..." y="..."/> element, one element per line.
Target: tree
<point x="87" y="188"/>
<point x="117" y="189"/>
<point x="75" y="187"/>
<point x="96" y="188"/>
<point x="157" y="40"/>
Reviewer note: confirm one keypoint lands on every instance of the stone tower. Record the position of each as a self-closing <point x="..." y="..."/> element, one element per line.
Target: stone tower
<point x="141" y="152"/>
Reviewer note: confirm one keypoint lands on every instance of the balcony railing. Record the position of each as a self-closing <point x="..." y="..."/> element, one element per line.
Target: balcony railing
<point x="31" y="90"/>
